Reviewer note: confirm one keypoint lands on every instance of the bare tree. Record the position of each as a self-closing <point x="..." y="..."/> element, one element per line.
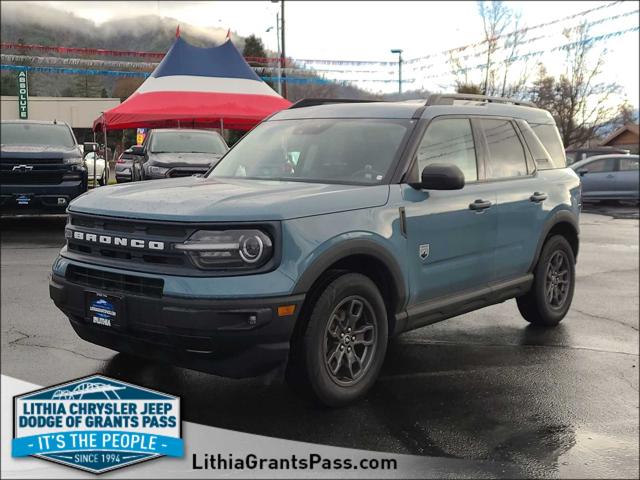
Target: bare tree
<point x="579" y="103"/>
<point x="496" y="17"/>
<point x="498" y="70"/>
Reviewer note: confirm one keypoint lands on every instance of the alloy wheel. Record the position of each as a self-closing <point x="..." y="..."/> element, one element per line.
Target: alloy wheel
<point x="350" y="340"/>
<point x="557" y="280"/>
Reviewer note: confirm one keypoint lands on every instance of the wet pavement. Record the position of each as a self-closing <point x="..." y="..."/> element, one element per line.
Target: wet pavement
<point x="483" y="386"/>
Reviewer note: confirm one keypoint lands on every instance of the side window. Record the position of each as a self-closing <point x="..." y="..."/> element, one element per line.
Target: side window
<point x="449" y="140"/>
<point x="599" y="166"/>
<point x="550" y="138"/>
<point x="629" y="164"/>
<point x="506" y="153"/>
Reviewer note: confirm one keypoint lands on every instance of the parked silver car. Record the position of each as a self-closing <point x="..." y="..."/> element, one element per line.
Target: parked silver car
<point x="609" y="177"/>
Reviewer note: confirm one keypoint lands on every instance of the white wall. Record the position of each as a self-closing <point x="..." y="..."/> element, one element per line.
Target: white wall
<point x="78" y="112"/>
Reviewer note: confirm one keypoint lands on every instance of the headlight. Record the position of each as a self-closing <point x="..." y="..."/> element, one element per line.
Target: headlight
<point x="228" y="249"/>
<point x="72" y="160"/>
<point x="158" y="170"/>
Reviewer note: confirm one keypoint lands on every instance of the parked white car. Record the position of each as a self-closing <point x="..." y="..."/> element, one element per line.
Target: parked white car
<point x="102" y="171"/>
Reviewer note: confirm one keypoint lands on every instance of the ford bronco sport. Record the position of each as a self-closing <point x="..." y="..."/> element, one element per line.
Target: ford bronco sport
<point x="326" y="230"/>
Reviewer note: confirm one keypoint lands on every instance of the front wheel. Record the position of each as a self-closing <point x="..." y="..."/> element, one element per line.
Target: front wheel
<point x="549" y="299"/>
<point x="340" y="354"/>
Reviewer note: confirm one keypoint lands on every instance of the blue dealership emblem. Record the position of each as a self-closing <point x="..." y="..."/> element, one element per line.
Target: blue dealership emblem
<point x="97" y="424"/>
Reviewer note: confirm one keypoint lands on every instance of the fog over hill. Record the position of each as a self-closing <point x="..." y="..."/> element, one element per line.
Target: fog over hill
<point x="45" y="25"/>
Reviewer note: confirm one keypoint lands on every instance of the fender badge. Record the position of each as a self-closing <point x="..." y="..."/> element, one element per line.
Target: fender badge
<point x="423" y="251"/>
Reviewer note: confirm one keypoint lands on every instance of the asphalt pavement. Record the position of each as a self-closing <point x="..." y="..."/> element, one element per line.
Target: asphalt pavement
<point x="483" y="386"/>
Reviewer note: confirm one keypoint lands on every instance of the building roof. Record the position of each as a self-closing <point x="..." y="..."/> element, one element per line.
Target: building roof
<point x="634" y="128"/>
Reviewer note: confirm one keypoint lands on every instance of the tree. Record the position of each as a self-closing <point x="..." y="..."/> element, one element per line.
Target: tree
<point x="579" y="103"/>
<point x="253" y="47"/>
<point x="502" y="49"/>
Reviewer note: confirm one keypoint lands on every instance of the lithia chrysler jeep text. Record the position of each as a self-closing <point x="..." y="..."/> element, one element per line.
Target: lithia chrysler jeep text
<point x="329" y="228"/>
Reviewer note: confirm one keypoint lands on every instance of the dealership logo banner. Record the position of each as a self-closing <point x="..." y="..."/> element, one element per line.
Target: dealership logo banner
<point x="97" y="424"/>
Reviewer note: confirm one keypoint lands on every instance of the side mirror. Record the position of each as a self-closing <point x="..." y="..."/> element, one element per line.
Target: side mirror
<point x="441" y="176"/>
<point x="137" y="150"/>
<point x="583" y="172"/>
<point x="90" y="147"/>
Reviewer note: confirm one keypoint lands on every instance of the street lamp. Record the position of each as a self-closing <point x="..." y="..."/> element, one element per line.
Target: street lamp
<point x="279" y="67"/>
<point x="283" y="55"/>
<point x="399" y="52"/>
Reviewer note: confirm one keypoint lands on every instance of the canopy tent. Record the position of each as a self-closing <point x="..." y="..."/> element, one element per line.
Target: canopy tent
<point x="197" y="87"/>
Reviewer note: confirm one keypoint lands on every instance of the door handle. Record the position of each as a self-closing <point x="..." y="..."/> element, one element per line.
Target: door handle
<point x="538" y="197"/>
<point x="480" y="204"/>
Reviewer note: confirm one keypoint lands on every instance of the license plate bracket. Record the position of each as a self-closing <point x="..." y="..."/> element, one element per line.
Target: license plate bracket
<point x="104" y="310"/>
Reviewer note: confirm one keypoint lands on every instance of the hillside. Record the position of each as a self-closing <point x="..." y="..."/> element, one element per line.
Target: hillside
<point x="44" y="25"/>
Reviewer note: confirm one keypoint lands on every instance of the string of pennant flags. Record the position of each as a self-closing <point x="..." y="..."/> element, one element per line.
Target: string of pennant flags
<point x="529" y="41"/>
<point x="298" y="80"/>
<point x="538" y="53"/>
<point x="160" y="55"/>
<point x="134" y="74"/>
<point x="29" y="59"/>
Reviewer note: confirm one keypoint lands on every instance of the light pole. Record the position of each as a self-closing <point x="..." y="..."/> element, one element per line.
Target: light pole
<point x="283" y="55"/>
<point x="279" y="66"/>
<point x="399" y="52"/>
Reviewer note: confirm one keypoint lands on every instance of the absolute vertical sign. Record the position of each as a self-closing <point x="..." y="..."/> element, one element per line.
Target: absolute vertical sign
<point x="23" y="95"/>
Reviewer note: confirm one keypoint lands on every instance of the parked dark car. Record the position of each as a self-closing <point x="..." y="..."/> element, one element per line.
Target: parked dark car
<point x="579" y="154"/>
<point x="609" y="177"/>
<point x="170" y="153"/>
<point x="125" y="169"/>
<point x="41" y="167"/>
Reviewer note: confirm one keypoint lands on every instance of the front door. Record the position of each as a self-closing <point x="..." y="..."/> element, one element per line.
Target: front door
<point x="598" y="179"/>
<point x="450" y="234"/>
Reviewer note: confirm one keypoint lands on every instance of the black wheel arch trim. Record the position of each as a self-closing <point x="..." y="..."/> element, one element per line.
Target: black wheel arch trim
<point x="561" y="216"/>
<point x="349" y="248"/>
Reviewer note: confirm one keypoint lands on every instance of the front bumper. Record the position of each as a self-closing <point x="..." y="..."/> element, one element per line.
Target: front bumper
<point x="228" y="337"/>
<point x="40" y="198"/>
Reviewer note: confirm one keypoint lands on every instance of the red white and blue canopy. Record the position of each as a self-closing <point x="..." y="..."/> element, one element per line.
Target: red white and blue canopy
<point x="197" y="87"/>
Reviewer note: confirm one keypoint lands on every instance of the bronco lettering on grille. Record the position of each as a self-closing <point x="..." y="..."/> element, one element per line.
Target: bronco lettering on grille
<point x="117" y="241"/>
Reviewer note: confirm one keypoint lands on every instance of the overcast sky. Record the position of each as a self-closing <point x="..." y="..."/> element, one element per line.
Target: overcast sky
<point x="368" y="30"/>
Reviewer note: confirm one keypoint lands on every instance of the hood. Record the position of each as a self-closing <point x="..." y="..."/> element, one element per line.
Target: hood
<point x="39" y="151"/>
<point x="199" y="199"/>
<point x="183" y="159"/>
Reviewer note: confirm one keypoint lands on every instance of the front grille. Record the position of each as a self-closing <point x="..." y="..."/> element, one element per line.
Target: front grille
<point x="175" y="173"/>
<point x="31" y="178"/>
<point x="115" y="282"/>
<point x="166" y="233"/>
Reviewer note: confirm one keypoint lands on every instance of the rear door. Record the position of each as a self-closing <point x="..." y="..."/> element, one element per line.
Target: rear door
<point x="510" y="170"/>
<point x="598" y="178"/>
<point x="628" y="181"/>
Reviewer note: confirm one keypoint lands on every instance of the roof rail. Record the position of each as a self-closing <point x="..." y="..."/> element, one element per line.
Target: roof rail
<point x="310" y="102"/>
<point x="449" y="98"/>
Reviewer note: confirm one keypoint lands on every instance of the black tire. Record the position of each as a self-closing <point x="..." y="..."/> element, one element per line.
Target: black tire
<point x="326" y="344"/>
<point x="549" y="299"/>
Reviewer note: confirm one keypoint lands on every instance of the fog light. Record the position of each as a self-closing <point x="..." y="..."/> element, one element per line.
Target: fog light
<point x="286" y="310"/>
<point x="62" y="201"/>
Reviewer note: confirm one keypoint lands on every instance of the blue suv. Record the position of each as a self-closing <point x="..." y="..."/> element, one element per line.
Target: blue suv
<point x="329" y="228"/>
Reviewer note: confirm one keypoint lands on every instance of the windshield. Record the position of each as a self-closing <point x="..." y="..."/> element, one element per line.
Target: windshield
<point x="36" y="134"/>
<point x="187" y="142"/>
<point x="358" y="151"/>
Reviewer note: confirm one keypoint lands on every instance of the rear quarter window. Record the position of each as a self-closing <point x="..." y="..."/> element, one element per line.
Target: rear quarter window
<point x="550" y="138"/>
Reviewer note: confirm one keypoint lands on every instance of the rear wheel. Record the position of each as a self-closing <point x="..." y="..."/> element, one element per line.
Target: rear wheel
<point x="549" y="299"/>
<point x="340" y="354"/>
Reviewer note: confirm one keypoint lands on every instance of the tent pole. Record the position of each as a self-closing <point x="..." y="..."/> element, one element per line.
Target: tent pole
<point x="106" y="155"/>
<point x="222" y="127"/>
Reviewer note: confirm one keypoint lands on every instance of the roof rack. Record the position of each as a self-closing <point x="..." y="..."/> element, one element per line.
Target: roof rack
<point x="449" y="98"/>
<point x="310" y="102"/>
